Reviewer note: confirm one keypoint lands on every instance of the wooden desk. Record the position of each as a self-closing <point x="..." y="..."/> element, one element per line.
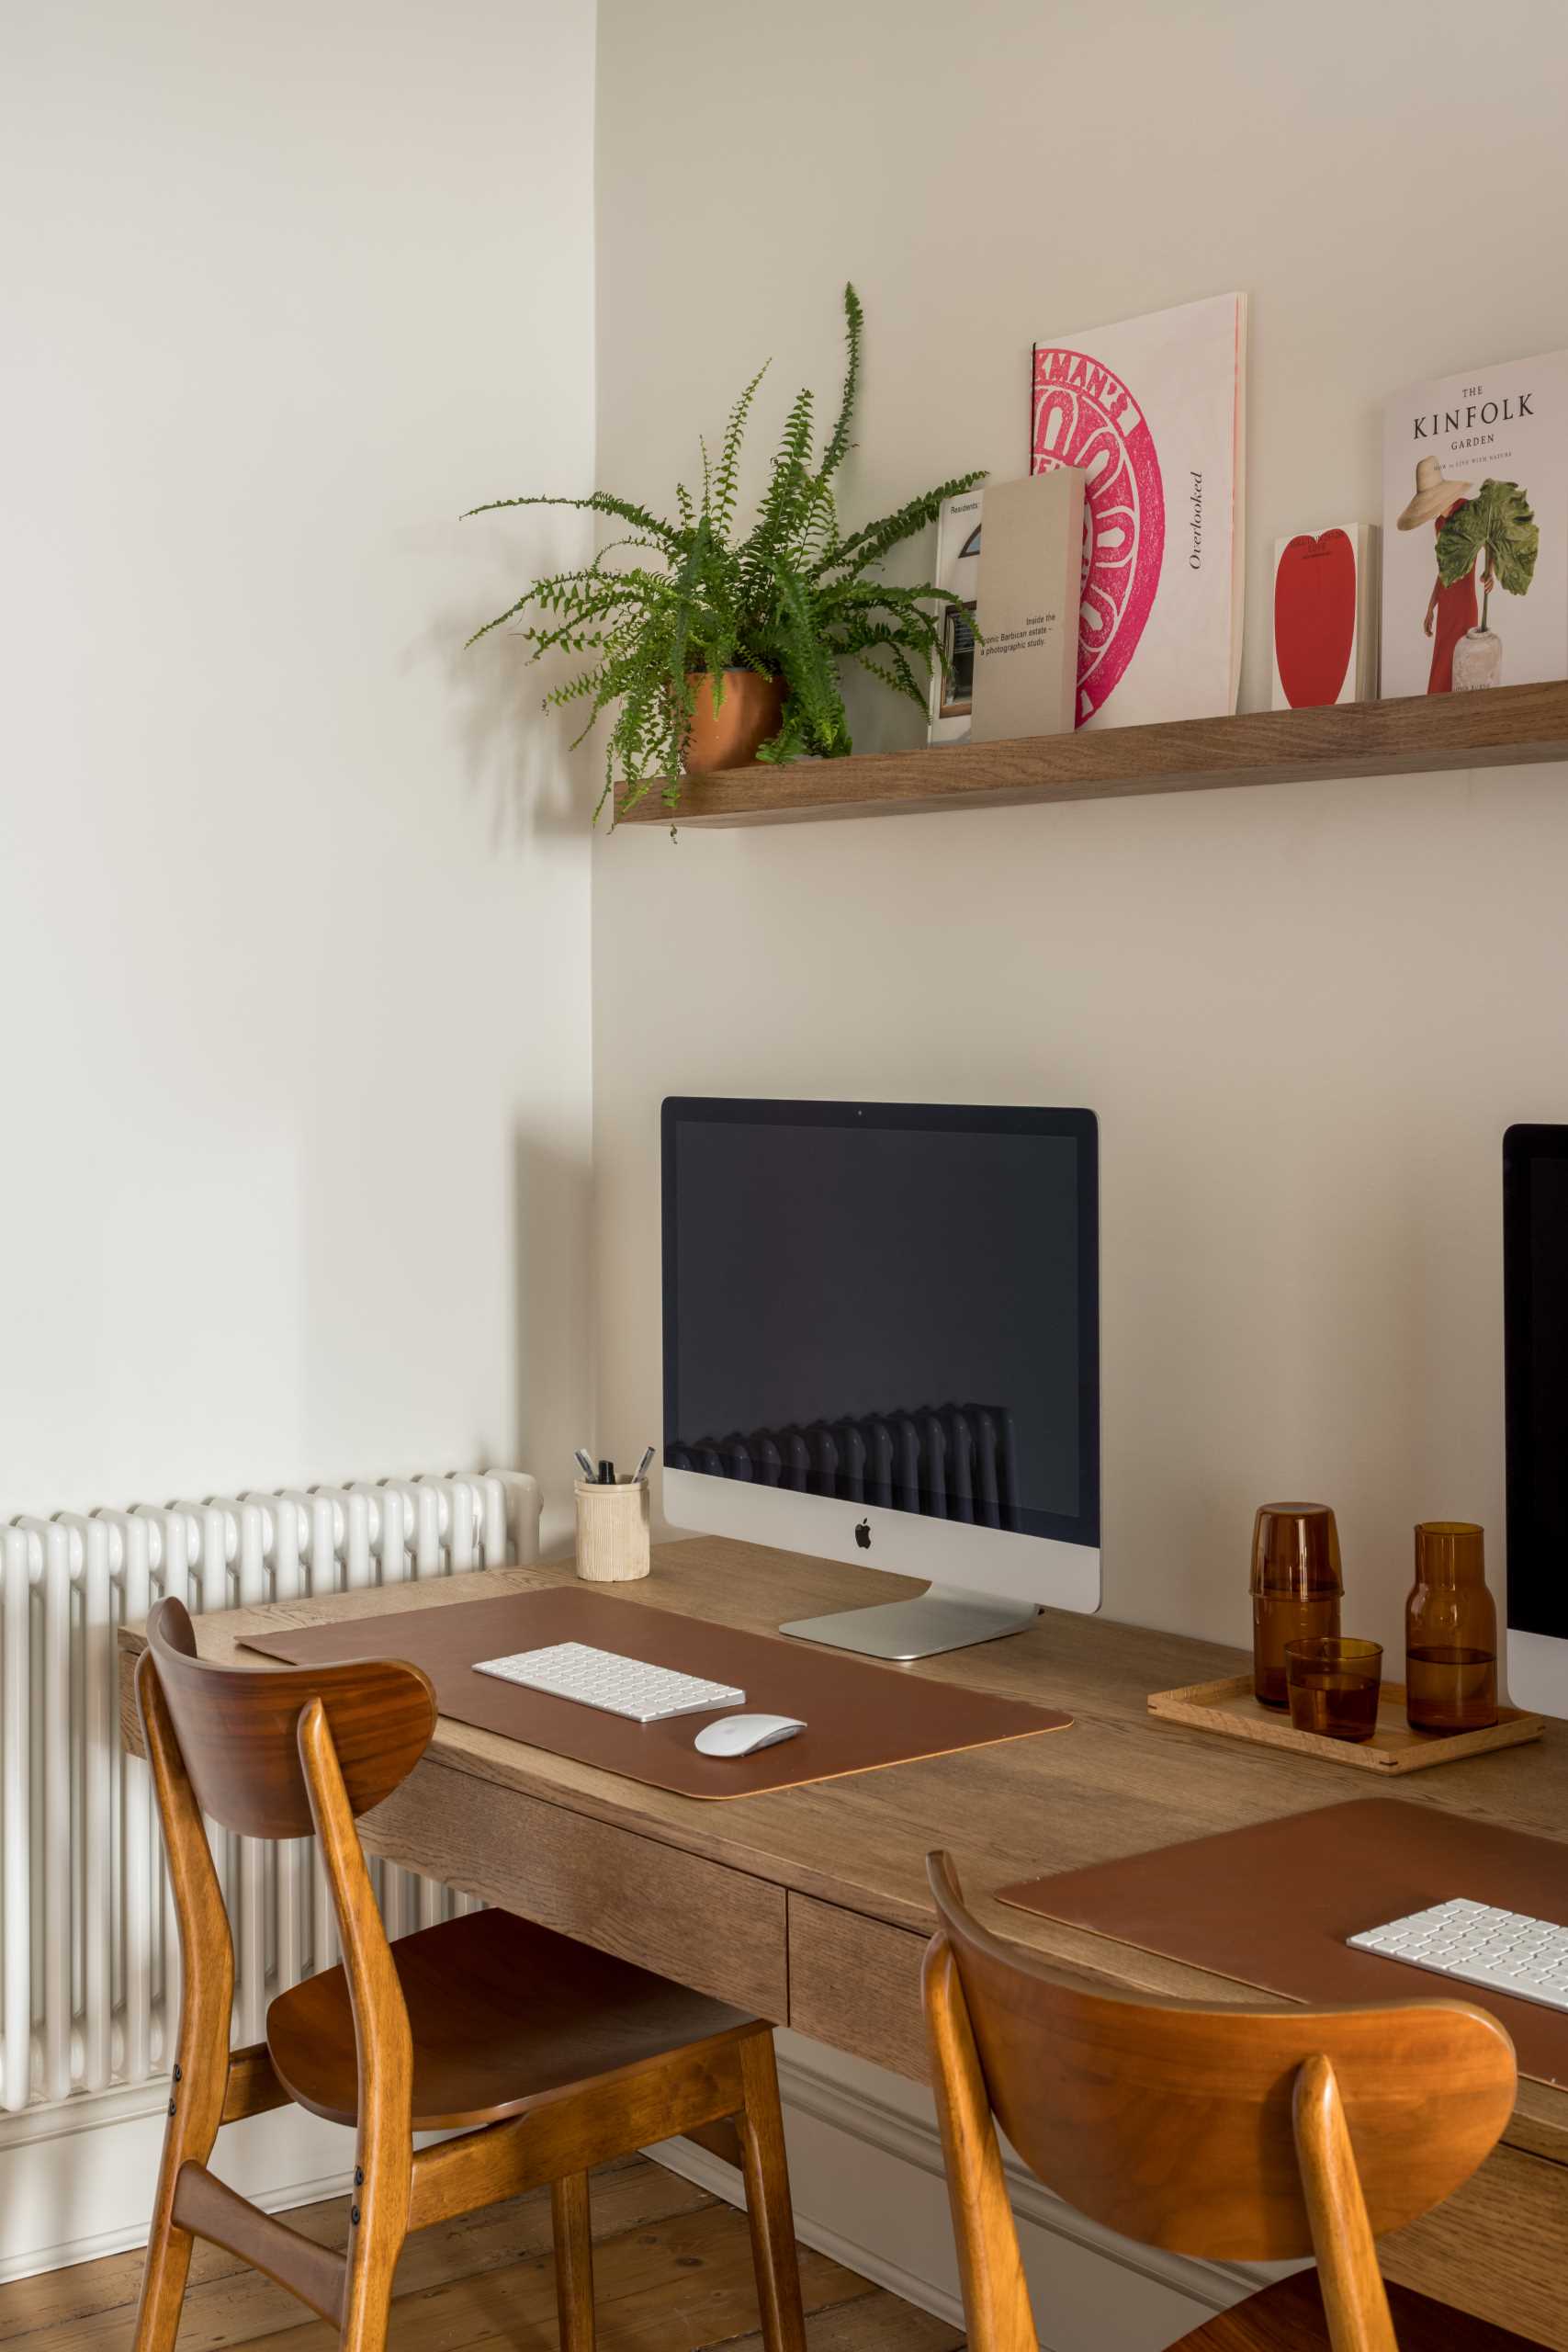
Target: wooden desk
<point x="808" y="1906"/>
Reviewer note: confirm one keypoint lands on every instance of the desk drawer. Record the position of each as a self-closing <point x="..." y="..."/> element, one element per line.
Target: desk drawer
<point x="714" y="1929"/>
<point x="855" y="1983"/>
<point x="1497" y="2247"/>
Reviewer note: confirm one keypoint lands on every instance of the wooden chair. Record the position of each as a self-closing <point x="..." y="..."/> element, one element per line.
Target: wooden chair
<point x="547" y="2057"/>
<point x="1241" y="2134"/>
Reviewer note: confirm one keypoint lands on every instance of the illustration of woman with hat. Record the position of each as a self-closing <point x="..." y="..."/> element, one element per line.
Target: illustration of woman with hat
<point x="1451" y="611"/>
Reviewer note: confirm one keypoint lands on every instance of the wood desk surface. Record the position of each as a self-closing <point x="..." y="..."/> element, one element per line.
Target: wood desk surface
<point x="809" y="1905"/>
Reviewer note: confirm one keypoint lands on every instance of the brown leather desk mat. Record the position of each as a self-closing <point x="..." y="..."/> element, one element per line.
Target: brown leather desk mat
<point x="1271" y="1906"/>
<point x="858" y="1716"/>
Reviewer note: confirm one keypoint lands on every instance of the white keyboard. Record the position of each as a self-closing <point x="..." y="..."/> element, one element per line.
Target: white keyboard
<point x="1501" y="1952"/>
<point x="615" y="1685"/>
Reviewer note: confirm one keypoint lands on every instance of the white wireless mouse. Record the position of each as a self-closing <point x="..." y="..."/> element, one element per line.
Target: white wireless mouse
<point x="743" y="1735"/>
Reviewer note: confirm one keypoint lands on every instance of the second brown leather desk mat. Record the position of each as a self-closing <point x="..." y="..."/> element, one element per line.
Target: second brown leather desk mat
<point x="1272" y="1904"/>
<point x="858" y="1716"/>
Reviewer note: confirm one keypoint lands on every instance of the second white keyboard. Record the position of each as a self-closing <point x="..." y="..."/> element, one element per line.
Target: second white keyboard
<point x="1501" y="1952"/>
<point x="615" y="1685"/>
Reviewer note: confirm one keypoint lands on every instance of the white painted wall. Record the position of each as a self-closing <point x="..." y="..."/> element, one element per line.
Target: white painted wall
<point x="293" y="892"/>
<point x="1304" y="1015"/>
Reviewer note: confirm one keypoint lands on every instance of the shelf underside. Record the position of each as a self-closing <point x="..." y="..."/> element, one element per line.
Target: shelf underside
<point x="1504" y="727"/>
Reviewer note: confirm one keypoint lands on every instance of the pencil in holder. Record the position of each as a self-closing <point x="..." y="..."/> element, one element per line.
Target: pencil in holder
<point x="612" y="1532"/>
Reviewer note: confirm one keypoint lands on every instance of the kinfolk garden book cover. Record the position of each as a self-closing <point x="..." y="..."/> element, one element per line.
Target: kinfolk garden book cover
<point x="1475" y="536"/>
<point x="1153" y="412"/>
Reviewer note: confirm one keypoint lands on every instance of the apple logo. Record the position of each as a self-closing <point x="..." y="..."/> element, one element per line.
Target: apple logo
<point x="863" y="1534"/>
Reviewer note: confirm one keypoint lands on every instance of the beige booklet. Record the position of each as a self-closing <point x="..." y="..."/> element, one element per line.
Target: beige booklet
<point x="1031" y="567"/>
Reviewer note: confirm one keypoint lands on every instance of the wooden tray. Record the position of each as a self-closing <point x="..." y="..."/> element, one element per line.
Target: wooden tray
<point x="1230" y="1707"/>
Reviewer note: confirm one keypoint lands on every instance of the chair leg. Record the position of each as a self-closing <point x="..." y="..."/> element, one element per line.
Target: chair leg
<point x="200" y="2076"/>
<point x="167" y="2266"/>
<point x="767" y="2199"/>
<point x="571" y="2221"/>
<point x="372" y="2268"/>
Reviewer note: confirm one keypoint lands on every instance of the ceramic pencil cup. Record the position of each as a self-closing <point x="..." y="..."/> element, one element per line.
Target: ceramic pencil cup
<point x="612" y="1532"/>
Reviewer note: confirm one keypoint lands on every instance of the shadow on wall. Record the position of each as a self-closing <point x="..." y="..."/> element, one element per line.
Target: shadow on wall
<point x="551" y="1207"/>
<point x="514" y="753"/>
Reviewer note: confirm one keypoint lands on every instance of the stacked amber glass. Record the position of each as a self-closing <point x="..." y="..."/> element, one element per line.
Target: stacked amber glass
<point x="1296" y="1589"/>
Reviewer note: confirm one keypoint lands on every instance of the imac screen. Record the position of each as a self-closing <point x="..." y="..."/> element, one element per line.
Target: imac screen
<point x="886" y="1304"/>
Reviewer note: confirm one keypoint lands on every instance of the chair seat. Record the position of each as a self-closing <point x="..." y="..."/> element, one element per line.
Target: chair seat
<point x="501" y="2013"/>
<point x="1288" y="2317"/>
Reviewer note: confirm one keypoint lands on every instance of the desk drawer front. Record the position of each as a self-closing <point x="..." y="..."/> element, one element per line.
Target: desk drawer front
<point x="855" y="1983"/>
<point x="1498" y="2247"/>
<point x="714" y="1929"/>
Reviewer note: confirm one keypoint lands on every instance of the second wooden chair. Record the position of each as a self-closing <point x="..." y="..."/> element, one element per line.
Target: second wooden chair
<point x="1256" y="2135"/>
<point x="547" y="2057"/>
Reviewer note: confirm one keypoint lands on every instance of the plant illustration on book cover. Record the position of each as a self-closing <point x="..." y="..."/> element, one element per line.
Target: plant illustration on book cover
<point x="1490" y="452"/>
<point x="1152" y="411"/>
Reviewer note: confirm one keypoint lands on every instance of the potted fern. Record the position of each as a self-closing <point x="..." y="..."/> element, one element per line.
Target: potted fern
<point x="714" y="646"/>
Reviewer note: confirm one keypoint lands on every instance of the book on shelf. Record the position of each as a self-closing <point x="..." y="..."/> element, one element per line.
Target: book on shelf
<point x="1325" y="616"/>
<point x="1475" y="529"/>
<point x="1153" y="412"/>
<point x="957" y="571"/>
<point x="1031" y="560"/>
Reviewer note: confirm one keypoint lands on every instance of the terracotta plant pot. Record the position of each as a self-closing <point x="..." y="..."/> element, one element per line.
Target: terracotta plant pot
<point x="731" y="736"/>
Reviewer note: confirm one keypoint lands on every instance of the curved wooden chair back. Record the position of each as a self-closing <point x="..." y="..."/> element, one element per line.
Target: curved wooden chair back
<point x="1235" y="2133"/>
<point x="238" y="1728"/>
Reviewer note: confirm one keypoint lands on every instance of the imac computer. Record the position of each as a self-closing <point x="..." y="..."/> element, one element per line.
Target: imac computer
<point x="1534" y="1298"/>
<point x="882" y="1345"/>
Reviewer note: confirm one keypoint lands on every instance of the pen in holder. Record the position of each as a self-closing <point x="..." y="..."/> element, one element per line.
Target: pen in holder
<point x="612" y="1532"/>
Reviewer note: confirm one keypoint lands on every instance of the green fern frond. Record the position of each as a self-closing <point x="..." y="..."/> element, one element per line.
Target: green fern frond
<point x="598" y="502"/>
<point x="839" y="441"/>
<point x="726" y="480"/>
<point x="874" y="541"/>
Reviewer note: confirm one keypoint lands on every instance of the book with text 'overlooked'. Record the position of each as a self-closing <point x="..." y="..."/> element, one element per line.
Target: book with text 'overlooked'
<point x="1152" y="411"/>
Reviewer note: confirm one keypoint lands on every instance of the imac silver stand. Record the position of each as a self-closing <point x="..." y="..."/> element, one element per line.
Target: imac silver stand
<point x="943" y="1617"/>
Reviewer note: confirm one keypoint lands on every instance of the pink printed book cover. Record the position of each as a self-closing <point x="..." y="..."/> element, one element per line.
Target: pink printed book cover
<point x="1153" y="412"/>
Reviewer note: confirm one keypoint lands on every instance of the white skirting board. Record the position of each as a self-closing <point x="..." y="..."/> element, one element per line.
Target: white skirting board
<point x="865" y="2168"/>
<point x="76" y="2181"/>
<point x="865" y="2173"/>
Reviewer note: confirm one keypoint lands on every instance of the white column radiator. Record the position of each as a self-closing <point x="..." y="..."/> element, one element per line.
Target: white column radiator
<point x="89" y="1961"/>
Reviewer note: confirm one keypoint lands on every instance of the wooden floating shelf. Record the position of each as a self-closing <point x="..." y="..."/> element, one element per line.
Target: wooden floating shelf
<point x="1503" y="727"/>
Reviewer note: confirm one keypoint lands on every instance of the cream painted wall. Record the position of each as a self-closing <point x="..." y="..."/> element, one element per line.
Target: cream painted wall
<point x="1304" y="1015"/>
<point x="294" y="894"/>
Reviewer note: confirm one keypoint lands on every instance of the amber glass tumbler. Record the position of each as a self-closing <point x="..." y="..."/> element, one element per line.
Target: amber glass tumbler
<point x="1334" y="1687"/>
<point x="1450" y="1631"/>
<point x="1296" y="1584"/>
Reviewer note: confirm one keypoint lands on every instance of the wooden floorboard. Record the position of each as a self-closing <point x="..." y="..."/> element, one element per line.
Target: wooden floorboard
<point x="672" y="2274"/>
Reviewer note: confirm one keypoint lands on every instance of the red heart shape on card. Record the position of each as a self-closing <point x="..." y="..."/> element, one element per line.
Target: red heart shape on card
<point x="1315" y="617"/>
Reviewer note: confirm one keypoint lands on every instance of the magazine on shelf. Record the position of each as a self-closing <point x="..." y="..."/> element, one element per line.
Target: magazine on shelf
<point x="1475" y="529"/>
<point x="1031" y="556"/>
<point x="957" y="570"/>
<point x="1153" y="412"/>
<point x="1325" y="616"/>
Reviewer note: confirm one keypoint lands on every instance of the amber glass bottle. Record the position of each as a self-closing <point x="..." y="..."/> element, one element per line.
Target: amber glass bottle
<point x="1451" y="1631"/>
<point x="1296" y="1584"/>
